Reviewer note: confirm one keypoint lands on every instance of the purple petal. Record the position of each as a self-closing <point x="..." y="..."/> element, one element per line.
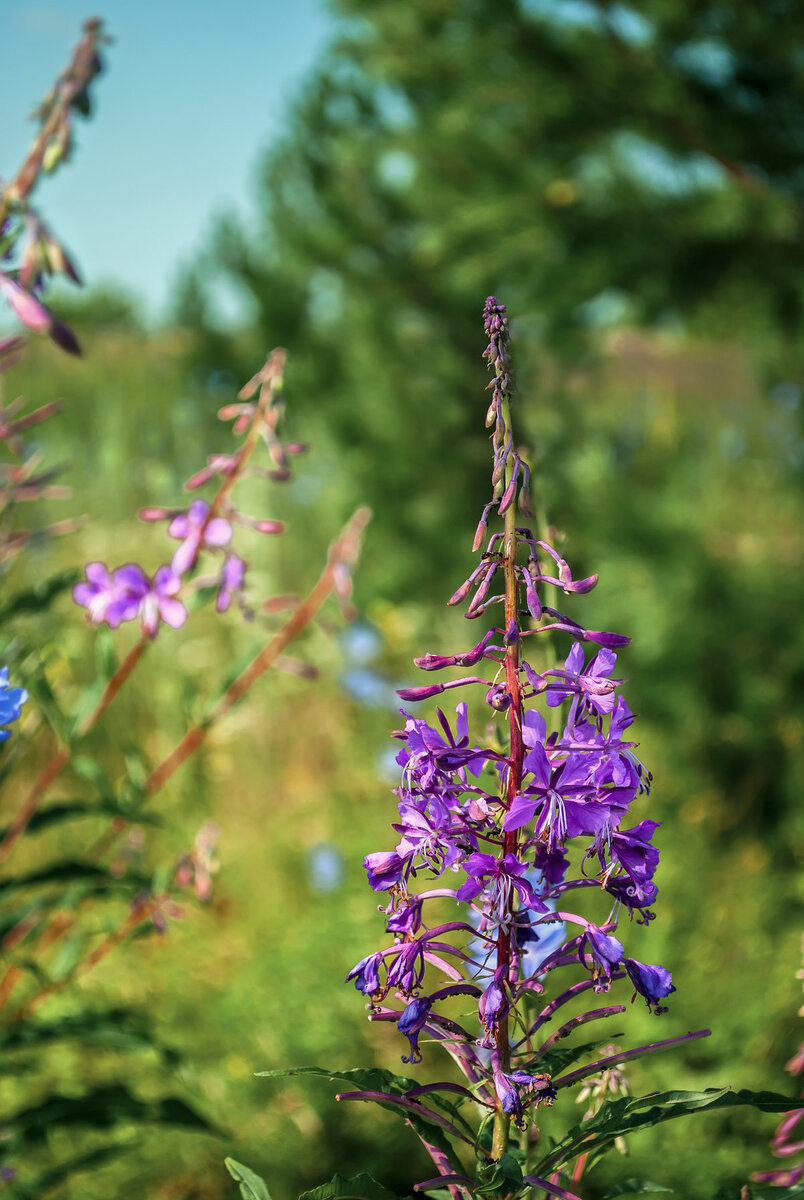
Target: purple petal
<point x="166" y="582"/>
<point x="30" y="311"/>
<point x="133" y="579"/>
<point x="218" y="532"/>
<point x="185" y="555"/>
<point x="173" y="613"/>
<point x="97" y="574"/>
<point x="521" y="811"/>
<point x="179" y="527"/>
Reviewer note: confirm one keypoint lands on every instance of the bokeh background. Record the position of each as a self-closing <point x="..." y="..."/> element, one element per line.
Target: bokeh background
<point x="350" y="182"/>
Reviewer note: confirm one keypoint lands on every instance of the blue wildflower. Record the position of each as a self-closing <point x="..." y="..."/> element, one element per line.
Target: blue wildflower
<point x="11" y="701"/>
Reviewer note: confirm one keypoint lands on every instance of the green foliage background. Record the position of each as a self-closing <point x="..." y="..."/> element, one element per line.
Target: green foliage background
<point x="640" y="214"/>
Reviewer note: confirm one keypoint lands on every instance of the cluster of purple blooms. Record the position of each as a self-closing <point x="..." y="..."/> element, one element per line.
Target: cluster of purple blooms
<point x="508" y="830"/>
<point x="128" y="593"/>
<point x="112" y="597"/>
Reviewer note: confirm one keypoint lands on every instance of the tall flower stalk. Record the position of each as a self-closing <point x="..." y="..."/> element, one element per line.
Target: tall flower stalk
<point x="524" y="820"/>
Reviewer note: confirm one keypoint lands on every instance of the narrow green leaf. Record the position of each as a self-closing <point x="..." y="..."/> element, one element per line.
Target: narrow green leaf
<point x="116" y="1028"/>
<point x="82" y="1162"/>
<point x="102" y="1108"/>
<point x="556" y="1060"/>
<point x="484" y="1137"/>
<point x="90" y="876"/>
<point x="251" y="1186"/>
<point x="40" y="596"/>
<point x="633" y="1187"/>
<point x="43" y="696"/>
<point x="623" y="1116"/>
<point x="369" y="1079"/>
<point x="106" y="656"/>
<point x="375" y="1079"/>
<point x="57" y="814"/>
<point x="361" y="1187"/>
<point x="498" y="1178"/>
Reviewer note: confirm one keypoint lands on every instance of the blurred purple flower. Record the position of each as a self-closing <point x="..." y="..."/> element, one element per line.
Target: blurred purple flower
<point x="151" y="600"/>
<point x="191" y="529"/>
<point x="232" y="581"/>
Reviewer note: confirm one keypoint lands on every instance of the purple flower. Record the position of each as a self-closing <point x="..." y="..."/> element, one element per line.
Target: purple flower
<point x="633" y="896"/>
<point x="432" y="835"/>
<point x="430" y="759"/>
<point x="98" y="594"/>
<point x="232" y="581"/>
<point x="407" y="919"/>
<point x="366" y="974"/>
<point x="407" y="970"/>
<point x="510" y="1086"/>
<point x="566" y="804"/>
<point x="190" y="528"/>
<point x="493" y="1005"/>
<point x="497" y="878"/>
<point x="411" y="1024"/>
<point x="384" y="869"/>
<point x="36" y="315"/>
<point x="631" y="849"/>
<point x="607" y="952"/>
<point x="151" y="600"/>
<point x="503" y="811"/>
<point x="588" y="685"/>
<point x="652" y="982"/>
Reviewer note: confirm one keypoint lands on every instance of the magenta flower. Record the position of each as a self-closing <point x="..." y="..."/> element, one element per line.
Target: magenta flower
<point x="194" y="533"/>
<point x="501" y="812"/>
<point x="153" y="601"/>
<point x="651" y="981"/>
<point x="607" y="952"/>
<point x="588" y="684"/>
<point x="98" y="594"/>
<point x="510" y="1086"/>
<point x="36" y="316"/>
<point x="499" y="879"/>
<point x="232" y="581"/>
<point x="366" y="974"/>
<point x="411" y="1024"/>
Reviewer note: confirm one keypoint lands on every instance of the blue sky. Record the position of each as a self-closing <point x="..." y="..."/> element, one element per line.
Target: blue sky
<point x="194" y="90"/>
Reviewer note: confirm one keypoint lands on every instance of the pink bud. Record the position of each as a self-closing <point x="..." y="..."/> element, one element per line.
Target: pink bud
<point x="30" y="311"/>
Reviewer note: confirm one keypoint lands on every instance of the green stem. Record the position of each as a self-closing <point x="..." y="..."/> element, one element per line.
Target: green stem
<point x="502" y="1120"/>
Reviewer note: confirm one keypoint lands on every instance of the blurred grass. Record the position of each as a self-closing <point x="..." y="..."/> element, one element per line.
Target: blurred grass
<point x="676" y="478"/>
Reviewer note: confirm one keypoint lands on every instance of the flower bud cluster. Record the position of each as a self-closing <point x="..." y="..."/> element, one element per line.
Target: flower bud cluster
<point x="128" y="593"/>
<point x="29" y="249"/>
<point x="507" y="828"/>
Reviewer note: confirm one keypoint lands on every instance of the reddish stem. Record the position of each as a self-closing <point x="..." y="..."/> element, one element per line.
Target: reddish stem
<point x="344" y="549"/>
<point x="62" y="756"/>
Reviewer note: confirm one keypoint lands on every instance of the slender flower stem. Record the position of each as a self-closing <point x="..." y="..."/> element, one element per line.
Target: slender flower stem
<point x="502" y="1120"/>
<point x="134" y="919"/>
<point x="602" y="1063"/>
<point x="78" y="74"/>
<point x="270" y="378"/>
<point x="63" y="755"/>
<point x="344" y="549"/>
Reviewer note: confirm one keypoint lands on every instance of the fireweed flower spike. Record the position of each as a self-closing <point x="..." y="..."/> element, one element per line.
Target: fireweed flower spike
<point x="510" y="827"/>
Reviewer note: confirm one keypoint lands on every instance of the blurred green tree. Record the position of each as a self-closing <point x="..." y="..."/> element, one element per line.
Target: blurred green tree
<point x="594" y="163"/>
